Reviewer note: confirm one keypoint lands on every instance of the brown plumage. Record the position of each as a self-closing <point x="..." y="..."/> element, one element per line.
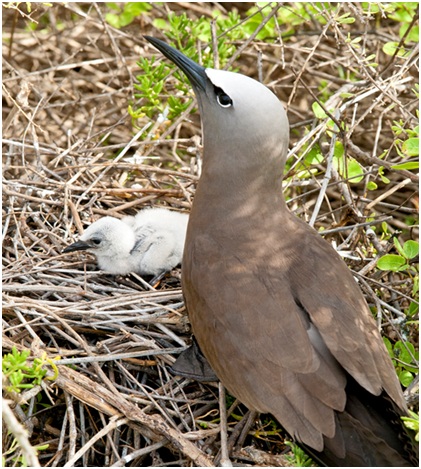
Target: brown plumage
<point x="275" y="310"/>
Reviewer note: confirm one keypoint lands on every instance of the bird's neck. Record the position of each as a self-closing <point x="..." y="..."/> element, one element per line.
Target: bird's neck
<point x="223" y="196"/>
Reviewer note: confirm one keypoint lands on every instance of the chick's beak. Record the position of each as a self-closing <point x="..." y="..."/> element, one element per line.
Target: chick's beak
<point x="78" y="246"/>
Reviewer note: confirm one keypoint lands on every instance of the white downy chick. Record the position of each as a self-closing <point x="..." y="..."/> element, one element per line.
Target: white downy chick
<point x="151" y="243"/>
<point x="160" y="235"/>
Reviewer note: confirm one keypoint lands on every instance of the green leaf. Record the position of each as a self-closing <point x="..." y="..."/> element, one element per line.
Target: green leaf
<point x="402" y="15"/>
<point x="416" y="287"/>
<point x="413" y="424"/>
<point x="409" y="165"/>
<point x="382" y="177"/>
<point x="338" y="153"/>
<point x="126" y="18"/>
<point x="113" y="20"/>
<point x="372" y="186"/>
<point x="406" y="378"/>
<point x="413" y="35"/>
<point x="398" y="247"/>
<point x="390" y="48"/>
<point x="318" y="110"/>
<point x="356" y="40"/>
<point x="389" y="347"/>
<point x="314" y="156"/>
<point x="413" y="308"/>
<point x="411" y="146"/>
<point x="353" y="170"/>
<point x="391" y="262"/>
<point x="345" y="19"/>
<point x="414" y="132"/>
<point x="385" y="228"/>
<point x="411" y="249"/>
<point x="254" y="22"/>
<point x="137" y="8"/>
<point x="160" y="23"/>
<point x="405" y="351"/>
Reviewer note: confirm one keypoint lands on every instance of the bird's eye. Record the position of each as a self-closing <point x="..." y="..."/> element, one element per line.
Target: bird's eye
<point x="96" y="241"/>
<point x="223" y="99"/>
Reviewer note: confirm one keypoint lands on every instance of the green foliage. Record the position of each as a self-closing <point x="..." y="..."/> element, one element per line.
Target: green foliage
<point x="405" y="359"/>
<point x="347" y="167"/>
<point x="31" y="23"/>
<point x="301" y="13"/>
<point x="413" y="423"/>
<point x="23" y="375"/>
<point x="318" y="111"/>
<point x="125" y="13"/>
<point x="28" y="5"/>
<point x="314" y="156"/>
<point x="407" y="145"/>
<point x="403" y="13"/>
<point x="298" y="13"/>
<point x="299" y="458"/>
<point x="183" y="33"/>
<point x="409" y="250"/>
<point x="382" y="176"/>
<point x="256" y="15"/>
<point x="400" y="262"/>
<point x="18" y="459"/>
<point x="371" y="186"/>
<point x="150" y="84"/>
<point x="392" y="262"/>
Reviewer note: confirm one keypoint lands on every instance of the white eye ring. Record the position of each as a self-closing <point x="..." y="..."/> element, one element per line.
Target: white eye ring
<point x="224" y="100"/>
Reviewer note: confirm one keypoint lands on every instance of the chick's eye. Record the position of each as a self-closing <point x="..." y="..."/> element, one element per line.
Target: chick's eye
<point x="96" y="241"/>
<point x="223" y="99"/>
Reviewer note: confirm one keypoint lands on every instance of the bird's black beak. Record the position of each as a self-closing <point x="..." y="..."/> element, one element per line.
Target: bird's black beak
<point x="78" y="246"/>
<point x="195" y="72"/>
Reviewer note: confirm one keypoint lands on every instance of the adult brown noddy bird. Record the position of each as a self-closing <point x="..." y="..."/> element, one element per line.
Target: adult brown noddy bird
<point x="275" y="310"/>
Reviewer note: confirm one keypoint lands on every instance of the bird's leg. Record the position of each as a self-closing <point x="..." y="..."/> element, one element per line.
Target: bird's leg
<point x="157" y="279"/>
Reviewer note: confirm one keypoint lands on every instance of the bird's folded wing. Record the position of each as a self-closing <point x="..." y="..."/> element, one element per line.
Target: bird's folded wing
<point x="340" y="313"/>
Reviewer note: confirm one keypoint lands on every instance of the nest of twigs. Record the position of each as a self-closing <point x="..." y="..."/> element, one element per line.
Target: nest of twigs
<point x="66" y="92"/>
